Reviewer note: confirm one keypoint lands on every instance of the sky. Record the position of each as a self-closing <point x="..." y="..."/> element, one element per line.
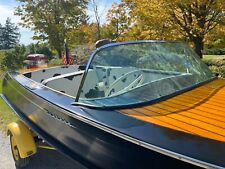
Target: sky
<point x="7" y="9"/>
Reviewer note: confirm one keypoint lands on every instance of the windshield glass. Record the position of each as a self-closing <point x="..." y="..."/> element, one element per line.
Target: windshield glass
<point x="137" y="72"/>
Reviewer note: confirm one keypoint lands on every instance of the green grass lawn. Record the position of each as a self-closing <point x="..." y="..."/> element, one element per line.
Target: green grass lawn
<point x="0" y="85"/>
<point x="212" y="57"/>
<point x="6" y="114"/>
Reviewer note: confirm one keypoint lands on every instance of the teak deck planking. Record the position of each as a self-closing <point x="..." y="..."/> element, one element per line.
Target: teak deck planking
<point x="200" y="111"/>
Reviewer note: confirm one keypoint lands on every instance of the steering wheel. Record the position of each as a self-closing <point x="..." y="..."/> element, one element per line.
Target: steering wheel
<point x="134" y="78"/>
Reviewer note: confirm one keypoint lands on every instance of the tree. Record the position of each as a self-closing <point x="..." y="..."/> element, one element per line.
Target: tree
<point x="148" y="20"/>
<point x="177" y="19"/>
<point x="1" y="34"/>
<point x="97" y="18"/>
<point x="9" y="35"/>
<point x="14" y="58"/>
<point x="118" y="19"/>
<point x="216" y="38"/>
<point x="39" y="48"/>
<point x="86" y="33"/>
<point x="196" y="18"/>
<point x="52" y="20"/>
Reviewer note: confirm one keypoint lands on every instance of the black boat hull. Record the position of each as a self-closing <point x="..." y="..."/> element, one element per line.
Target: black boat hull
<point x="75" y="135"/>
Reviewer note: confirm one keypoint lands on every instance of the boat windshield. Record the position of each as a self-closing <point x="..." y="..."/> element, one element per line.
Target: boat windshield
<point x="124" y="74"/>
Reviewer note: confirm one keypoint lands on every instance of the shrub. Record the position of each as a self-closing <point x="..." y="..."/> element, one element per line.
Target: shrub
<point x="215" y="51"/>
<point x="217" y="61"/>
<point x="215" y="70"/>
<point x="40" y="49"/>
<point x="222" y="71"/>
<point x="13" y="59"/>
<point x="55" y="62"/>
<point x="209" y="62"/>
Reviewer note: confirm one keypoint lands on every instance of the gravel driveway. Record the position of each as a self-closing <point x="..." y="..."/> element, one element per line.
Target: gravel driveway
<point x="6" y="160"/>
<point x="45" y="159"/>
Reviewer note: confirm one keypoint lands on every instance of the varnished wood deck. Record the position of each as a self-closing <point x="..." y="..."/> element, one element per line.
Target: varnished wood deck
<point x="200" y="111"/>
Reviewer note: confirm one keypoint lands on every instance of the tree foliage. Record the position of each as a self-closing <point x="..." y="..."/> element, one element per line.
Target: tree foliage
<point x="13" y="59"/>
<point x="198" y="22"/>
<point x="9" y="35"/>
<point x="149" y="20"/>
<point x="1" y="36"/>
<point x="39" y="48"/>
<point x="97" y="18"/>
<point x="216" y="38"/>
<point x="118" y="20"/>
<point x="177" y="19"/>
<point x="196" y="18"/>
<point x="53" y="19"/>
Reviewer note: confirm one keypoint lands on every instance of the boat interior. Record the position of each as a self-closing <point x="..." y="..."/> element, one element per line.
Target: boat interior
<point x="107" y="80"/>
<point x="65" y="79"/>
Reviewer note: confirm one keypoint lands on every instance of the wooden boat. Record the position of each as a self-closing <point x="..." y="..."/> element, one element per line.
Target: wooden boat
<point x="144" y="104"/>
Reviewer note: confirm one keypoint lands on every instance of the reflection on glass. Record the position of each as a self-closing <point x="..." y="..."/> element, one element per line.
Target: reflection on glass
<point x="134" y="73"/>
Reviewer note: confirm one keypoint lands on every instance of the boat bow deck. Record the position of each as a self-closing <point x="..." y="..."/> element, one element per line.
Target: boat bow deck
<point x="200" y="111"/>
